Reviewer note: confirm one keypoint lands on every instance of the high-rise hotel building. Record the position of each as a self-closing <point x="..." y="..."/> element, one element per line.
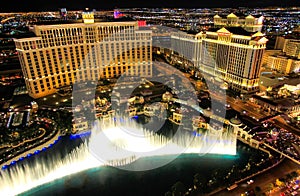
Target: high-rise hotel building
<point x="233" y="57"/>
<point x="61" y="55"/>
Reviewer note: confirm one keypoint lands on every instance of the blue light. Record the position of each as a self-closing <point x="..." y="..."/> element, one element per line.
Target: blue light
<point x="50" y="145"/>
<point x="13" y="162"/>
<point x="4" y="166"/>
<point x="36" y="152"/>
<point x="29" y="155"/>
<point x="197" y="134"/>
<point x="80" y="135"/>
<point x="21" y="158"/>
<point x="44" y="148"/>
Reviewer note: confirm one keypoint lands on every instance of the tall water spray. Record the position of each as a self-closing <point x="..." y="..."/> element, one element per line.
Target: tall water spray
<point x="116" y="142"/>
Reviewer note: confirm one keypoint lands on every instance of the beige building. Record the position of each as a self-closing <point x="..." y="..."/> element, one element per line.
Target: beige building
<point x="61" y="55"/>
<point x="177" y="116"/>
<point x="292" y="48"/>
<point x="268" y="53"/>
<point x="80" y="125"/>
<point x="283" y="64"/>
<point x="233" y="58"/>
<point x="279" y="44"/>
<point x="249" y="23"/>
<point x="199" y="122"/>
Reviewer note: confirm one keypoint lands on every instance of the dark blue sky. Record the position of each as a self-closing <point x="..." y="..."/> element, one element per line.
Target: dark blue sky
<point x="47" y="5"/>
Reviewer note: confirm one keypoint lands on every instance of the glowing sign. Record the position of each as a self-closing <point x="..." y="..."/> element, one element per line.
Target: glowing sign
<point x="223" y="34"/>
<point x="141" y="23"/>
<point x="118" y="14"/>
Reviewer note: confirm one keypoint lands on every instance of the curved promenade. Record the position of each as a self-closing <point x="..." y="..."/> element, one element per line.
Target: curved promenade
<point x="21" y="143"/>
<point x="291" y="158"/>
<point x="33" y="150"/>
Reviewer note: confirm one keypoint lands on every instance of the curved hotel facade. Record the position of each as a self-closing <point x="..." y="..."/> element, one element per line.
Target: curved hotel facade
<point x="61" y="55"/>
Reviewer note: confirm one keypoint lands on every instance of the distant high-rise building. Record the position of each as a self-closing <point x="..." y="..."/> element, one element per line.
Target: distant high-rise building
<point x="283" y="64"/>
<point x="88" y="17"/>
<point x="61" y="55"/>
<point x="233" y="57"/>
<point x="279" y="44"/>
<point x="288" y="60"/>
<point x="249" y="23"/>
<point x="63" y="12"/>
<point x="118" y="14"/>
<point x="292" y="48"/>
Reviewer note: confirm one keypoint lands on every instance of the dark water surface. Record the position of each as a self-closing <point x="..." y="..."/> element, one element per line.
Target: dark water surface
<point x="114" y="181"/>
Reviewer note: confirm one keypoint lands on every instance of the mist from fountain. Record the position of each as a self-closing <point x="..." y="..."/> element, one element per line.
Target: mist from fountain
<point x="117" y="142"/>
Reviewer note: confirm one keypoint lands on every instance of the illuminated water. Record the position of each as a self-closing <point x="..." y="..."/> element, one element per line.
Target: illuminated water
<point x="116" y="143"/>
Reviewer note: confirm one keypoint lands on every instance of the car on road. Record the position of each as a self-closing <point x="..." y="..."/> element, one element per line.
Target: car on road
<point x="250" y="192"/>
<point x="250" y="181"/>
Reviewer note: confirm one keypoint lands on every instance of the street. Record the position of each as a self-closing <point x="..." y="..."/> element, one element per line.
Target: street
<point x="280" y="122"/>
<point x="263" y="180"/>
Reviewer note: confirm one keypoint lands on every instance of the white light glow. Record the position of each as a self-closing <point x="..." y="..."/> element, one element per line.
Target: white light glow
<point x="113" y="144"/>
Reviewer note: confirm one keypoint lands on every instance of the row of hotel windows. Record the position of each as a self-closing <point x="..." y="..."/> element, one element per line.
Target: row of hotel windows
<point x="237" y="56"/>
<point x="29" y="45"/>
<point x="65" y="79"/>
<point x="52" y="41"/>
<point x="75" y="31"/>
<point x="65" y="57"/>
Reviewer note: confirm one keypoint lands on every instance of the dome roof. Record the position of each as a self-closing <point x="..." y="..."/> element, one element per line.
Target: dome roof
<point x="167" y="96"/>
<point x="250" y="17"/>
<point x="235" y="121"/>
<point x="258" y="34"/>
<point x="222" y="30"/>
<point x="232" y="15"/>
<point x="217" y="16"/>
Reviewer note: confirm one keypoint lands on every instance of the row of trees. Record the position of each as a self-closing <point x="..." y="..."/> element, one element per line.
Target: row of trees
<point x="203" y="184"/>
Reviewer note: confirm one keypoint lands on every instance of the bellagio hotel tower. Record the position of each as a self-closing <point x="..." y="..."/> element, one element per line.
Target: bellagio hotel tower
<point x="61" y="55"/>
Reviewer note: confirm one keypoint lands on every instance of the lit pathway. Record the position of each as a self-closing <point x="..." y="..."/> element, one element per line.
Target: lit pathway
<point x="29" y="140"/>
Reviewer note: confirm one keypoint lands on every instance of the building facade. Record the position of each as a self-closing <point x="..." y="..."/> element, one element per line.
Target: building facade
<point x="249" y="23"/>
<point x="283" y="64"/>
<point x="234" y="58"/>
<point x="61" y="55"/>
<point x="292" y="48"/>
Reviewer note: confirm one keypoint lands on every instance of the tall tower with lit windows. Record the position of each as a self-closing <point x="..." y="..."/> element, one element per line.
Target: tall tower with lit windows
<point x="230" y="54"/>
<point x="61" y="55"/>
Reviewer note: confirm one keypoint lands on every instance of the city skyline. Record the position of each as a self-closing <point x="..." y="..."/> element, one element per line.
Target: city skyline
<point x="34" y="5"/>
<point x="89" y="97"/>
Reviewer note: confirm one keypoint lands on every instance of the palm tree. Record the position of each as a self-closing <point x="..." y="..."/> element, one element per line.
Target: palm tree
<point x="257" y="190"/>
<point x="199" y="181"/>
<point x="270" y="186"/>
<point x="178" y="189"/>
<point x="168" y="193"/>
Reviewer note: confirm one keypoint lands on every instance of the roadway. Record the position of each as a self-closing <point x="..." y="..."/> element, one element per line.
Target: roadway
<point x="280" y="122"/>
<point x="238" y="105"/>
<point x="263" y="180"/>
<point x="251" y="109"/>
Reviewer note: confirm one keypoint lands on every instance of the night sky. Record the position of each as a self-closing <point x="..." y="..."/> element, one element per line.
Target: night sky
<point x="53" y="5"/>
